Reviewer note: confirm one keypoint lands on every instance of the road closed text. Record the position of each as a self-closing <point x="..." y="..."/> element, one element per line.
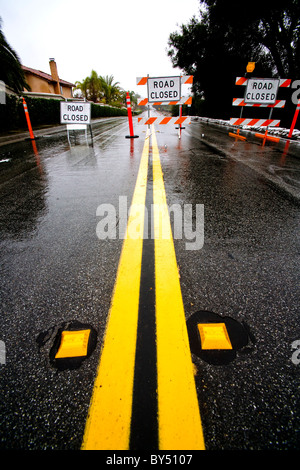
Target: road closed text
<point x="164" y="89"/>
<point x="75" y="113"/>
<point x="261" y="91"/>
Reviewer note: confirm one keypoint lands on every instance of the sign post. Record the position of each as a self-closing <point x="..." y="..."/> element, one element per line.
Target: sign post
<point x="249" y="69"/>
<point x="237" y="135"/>
<point x="76" y="115"/>
<point x="294" y="120"/>
<point x="180" y="126"/>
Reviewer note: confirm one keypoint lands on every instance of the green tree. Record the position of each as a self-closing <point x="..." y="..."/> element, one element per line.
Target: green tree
<point x="274" y="26"/>
<point x="111" y="89"/>
<point x="91" y="87"/>
<point x="10" y="66"/>
<point x="133" y="97"/>
<point x="82" y="87"/>
<point x="94" y="87"/>
<point x="216" y="48"/>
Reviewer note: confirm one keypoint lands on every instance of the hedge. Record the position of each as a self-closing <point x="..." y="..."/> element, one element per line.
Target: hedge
<point x="42" y="111"/>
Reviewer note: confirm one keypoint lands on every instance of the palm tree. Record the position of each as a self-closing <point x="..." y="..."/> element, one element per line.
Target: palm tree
<point x="90" y="87"/>
<point x="83" y="87"/>
<point x="112" y="91"/>
<point x="94" y="86"/>
<point x="10" y="66"/>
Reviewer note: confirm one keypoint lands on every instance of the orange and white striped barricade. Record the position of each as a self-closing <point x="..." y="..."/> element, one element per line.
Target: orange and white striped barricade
<point x="165" y="91"/>
<point x="184" y="100"/>
<point x="164" y="120"/>
<point x="254" y="122"/>
<point x="241" y="102"/>
<point x="262" y="92"/>
<point x="283" y="82"/>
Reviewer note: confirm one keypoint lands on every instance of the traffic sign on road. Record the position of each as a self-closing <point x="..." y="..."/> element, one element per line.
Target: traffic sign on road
<point x="261" y="90"/>
<point x="75" y="112"/>
<point x="164" y="89"/>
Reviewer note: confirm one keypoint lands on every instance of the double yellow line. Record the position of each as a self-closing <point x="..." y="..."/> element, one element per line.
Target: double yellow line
<point x="109" y="419"/>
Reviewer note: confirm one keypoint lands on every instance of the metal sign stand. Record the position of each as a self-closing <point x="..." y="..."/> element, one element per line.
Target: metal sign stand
<point x="78" y="126"/>
<point x="237" y="135"/>
<point x="180" y="126"/>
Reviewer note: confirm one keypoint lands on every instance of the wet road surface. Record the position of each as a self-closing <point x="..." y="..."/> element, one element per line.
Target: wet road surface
<point x="57" y="274"/>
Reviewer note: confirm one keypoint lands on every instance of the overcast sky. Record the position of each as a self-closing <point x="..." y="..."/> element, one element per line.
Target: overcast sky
<point x="123" y="38"/>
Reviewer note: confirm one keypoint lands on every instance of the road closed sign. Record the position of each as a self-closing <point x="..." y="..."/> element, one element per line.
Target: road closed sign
<point x="164" y="89"/>
<point x="75" y="112"/>
<point x="261" y="90"/>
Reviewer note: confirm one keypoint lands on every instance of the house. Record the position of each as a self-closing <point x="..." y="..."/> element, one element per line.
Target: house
<point x="41" y="82"/>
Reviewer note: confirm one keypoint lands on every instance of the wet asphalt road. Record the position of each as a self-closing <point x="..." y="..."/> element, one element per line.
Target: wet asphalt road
<point x="55" y="271"/>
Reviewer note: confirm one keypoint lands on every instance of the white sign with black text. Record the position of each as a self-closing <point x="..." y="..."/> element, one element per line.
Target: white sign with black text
<point x="75" y="112"/>
<point x="261" y="90"/>
<point x="162" y="89"/>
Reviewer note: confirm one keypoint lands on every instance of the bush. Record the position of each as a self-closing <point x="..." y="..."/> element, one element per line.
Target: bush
<point x="42" y="111"/>
<point x="9" y="113"/>
<point x="106" y="111"/>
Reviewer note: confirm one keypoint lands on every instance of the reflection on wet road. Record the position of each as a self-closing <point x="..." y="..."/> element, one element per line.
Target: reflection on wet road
<point x="56" y="273"/>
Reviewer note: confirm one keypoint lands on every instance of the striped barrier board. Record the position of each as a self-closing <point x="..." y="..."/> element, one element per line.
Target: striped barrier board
<point x="241" y="102"/>
<point x="254" y="122"/>
<point x="261" y="102"/>
<point x="165" y="120"/>
<point x="185" y="80"/>
<point x="283" y="82"/>
<point x="187" y="100"/>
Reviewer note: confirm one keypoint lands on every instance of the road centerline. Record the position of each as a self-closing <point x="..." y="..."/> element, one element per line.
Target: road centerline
<point x="146" y="264"/>
<point x="178" y="409"/>
<point x="108" y="422"/>
<point x="144" y="427"/>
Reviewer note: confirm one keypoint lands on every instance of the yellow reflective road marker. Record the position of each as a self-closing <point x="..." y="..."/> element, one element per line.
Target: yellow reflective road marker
<point x="178" y="409"/>
<point x="73" y="344"/>
<point x="214" y="336"/>
<point x="108" y="424"/>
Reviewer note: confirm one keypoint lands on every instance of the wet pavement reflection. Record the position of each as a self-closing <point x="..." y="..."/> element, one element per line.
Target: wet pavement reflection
<point x="55" y="270"/>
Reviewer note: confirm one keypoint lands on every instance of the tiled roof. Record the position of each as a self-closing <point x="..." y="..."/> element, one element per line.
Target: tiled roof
<point x="46" y="76"/>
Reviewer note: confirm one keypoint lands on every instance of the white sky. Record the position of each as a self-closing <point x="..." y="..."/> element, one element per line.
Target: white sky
<point x="123" y="38"/>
